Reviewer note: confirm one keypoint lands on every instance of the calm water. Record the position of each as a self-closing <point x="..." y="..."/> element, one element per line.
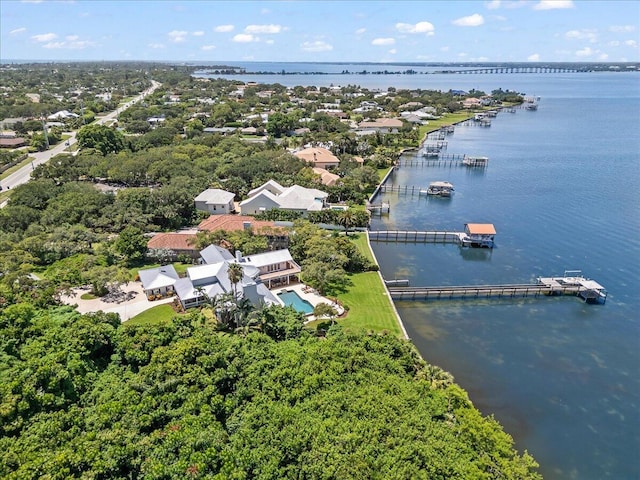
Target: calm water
<point x="563" y="190"/>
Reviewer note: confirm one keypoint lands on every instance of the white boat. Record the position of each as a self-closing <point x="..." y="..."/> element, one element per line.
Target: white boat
<point x="439" y="189"/>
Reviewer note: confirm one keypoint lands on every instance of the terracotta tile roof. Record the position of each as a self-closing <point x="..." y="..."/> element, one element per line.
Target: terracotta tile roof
<point x="318" y="155"/>
<point x="173" y="241"/>
<point x="230" y="223"/>
<point x="481" y="228"/>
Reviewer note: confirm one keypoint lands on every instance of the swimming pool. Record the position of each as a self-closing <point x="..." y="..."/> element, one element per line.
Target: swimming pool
<point x="291" y="298"/>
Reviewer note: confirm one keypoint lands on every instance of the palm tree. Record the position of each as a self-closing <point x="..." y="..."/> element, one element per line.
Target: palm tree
<point x="235" y="273"/>
<point x="346" y="219"/>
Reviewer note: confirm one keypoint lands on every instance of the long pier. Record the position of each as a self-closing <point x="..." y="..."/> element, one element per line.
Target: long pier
<point x="409" y="236"/>
<point x="484" y="291"/>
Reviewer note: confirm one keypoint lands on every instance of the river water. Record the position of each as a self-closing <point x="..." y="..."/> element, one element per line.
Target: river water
<point x="563" y="190"/>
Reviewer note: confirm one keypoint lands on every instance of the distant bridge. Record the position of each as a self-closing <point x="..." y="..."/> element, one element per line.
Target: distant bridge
<point x="495" y="70"/>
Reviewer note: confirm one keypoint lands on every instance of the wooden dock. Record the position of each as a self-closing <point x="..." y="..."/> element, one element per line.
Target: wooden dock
<point x="401" y="189"/>
<point x="409" y="236"/>
<point x="485" y="291"/>
<point x="571" y="283"/>
<point x="446" y="159"/>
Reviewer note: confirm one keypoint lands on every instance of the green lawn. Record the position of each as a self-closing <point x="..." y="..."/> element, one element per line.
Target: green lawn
<point x="448" y="119"/>
<point x="370" y="308"/>
<point x="154" y="316"/>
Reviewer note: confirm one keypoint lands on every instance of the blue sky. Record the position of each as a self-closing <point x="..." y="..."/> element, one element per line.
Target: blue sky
<point x="321" y="31"/>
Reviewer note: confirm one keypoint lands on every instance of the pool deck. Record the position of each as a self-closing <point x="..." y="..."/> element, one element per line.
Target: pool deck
<point x="310" y="295"/>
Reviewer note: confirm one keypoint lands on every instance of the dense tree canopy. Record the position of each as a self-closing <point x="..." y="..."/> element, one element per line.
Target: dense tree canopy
<point x="85" y="397"/>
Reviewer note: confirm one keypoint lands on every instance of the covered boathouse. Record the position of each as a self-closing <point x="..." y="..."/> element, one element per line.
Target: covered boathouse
<point x="478" y="235"/>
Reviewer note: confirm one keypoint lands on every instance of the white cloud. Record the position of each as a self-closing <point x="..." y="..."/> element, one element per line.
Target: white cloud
<point x="71" y="42"/>
<point x="534" y="57"/>
<point x="271" y="28"/>
<point x="393" y="51"/>
<point x="420" y="27"/>
<point x="481" y="59"/>
<point x="317" y="46"/>
<point x="492" y="5"/>
<point x="613" y="43"/>
<point x="383" y="41"/>
<point x="602" y="57"/>
<point x="582" y="35"/>
<point x="622" y="28"/>
<point x="265" y="11"/>
<point x="17" y="31"/>
<point x="444" y="49"/>
<point x="223" y="28"/>
<point x="631" y="43"/>
<point x="178" y="36"/>
<point x="44" y="37"/>
<point x="471" y="21"/>
<point x="553" y="4"/>
<point x="156" y="45"/>
<point x="207" y="47"/>
<point x="585" y="52"/>
<point x="244" y="38"/>
<point x="199" y="33"/>
<point x="269" y="42"/>
<point x="32" y="1"/>
<point x="360" y="31"/>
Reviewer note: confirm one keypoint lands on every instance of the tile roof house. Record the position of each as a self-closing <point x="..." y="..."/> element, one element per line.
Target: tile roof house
<point x="273" y="195"/>
<point x="318" y="157"/>
<point x="277" y="236"/>
<point x="12" y="142"/>
<point x="327" y="178"/>
<point x="175" y="243"/>
<point x="204" y="282"/>
<point x="215" y="201"/>
<point x="381" y="125"/>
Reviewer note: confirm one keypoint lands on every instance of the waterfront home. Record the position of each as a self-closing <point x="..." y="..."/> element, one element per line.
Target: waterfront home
<point x="380" y="125"/>
<point x="273" y="195"/>
<point x="260" y="272"/>
<point x="215" y="201"/>
<point x="318" y="157"/>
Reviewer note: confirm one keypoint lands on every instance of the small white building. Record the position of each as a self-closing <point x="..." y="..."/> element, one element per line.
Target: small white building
<point x="215" y="201"/>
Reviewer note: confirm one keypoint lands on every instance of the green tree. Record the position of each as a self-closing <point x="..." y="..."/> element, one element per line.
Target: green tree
<point x="131" y="245"/>
<point x="102" y="138"/>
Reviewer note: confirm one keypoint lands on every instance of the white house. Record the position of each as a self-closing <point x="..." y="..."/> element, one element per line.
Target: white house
<point x="158" y="281"/>
<point x="273" y="195"/>
<point x="215" y="201"/>
<point x="260" y="272"/>
<point x="62" y="115"/>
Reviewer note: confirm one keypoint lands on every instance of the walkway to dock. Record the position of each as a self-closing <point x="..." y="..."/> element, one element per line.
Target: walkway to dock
<point x="416" y="236"/>
<point x="481" y="291"/>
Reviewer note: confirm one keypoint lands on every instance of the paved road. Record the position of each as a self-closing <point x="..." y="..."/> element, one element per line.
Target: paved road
<point x="23" y="175"/>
